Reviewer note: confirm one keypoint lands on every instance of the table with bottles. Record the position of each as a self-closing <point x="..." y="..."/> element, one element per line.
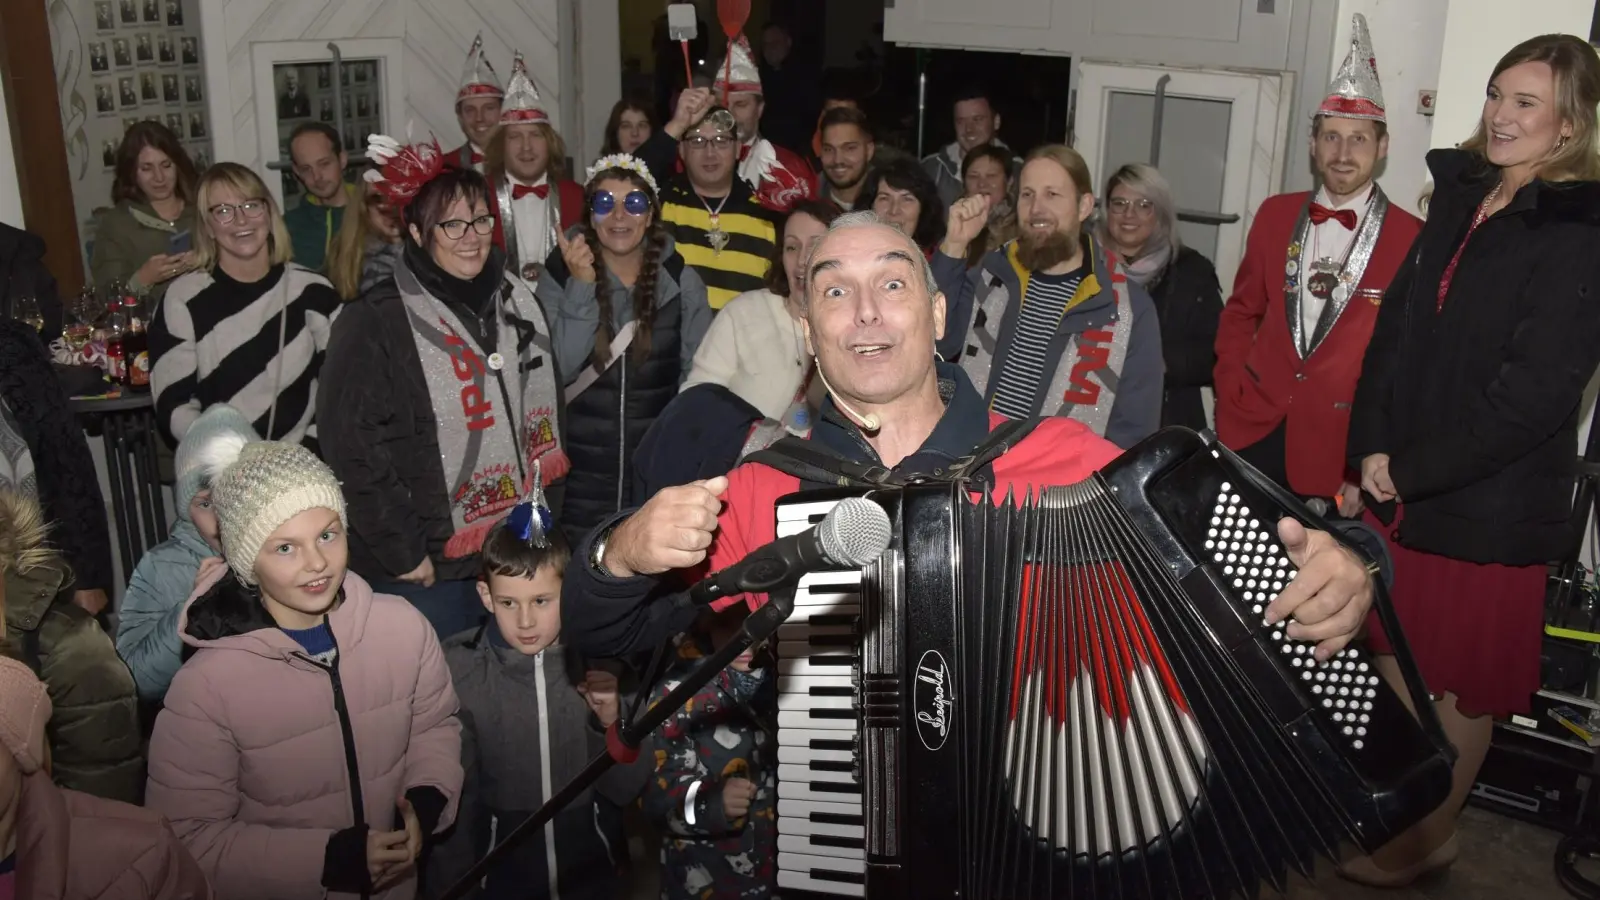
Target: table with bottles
<point x="110" y="332"/>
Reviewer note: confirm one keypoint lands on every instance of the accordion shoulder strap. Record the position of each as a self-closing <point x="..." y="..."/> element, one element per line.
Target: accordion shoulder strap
<point x="813" y="463"/>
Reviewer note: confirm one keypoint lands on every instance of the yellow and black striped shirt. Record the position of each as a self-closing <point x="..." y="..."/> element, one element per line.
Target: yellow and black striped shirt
<point x="742" y="265"/>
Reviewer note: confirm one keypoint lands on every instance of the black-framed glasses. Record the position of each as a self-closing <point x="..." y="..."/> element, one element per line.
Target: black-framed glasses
<point x="1122" y="205"/>
<point x="456" y="229"/>
<point x="637" y="203"/>
<point x="699" y="143"/>
<point x="226" y="213"/>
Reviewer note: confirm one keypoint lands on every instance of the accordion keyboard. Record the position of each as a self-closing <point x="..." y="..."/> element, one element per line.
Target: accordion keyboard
<point x="821" y="829"/>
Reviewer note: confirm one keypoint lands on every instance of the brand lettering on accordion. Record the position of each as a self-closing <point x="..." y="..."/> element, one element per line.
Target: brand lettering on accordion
<point x="931" y="700"/>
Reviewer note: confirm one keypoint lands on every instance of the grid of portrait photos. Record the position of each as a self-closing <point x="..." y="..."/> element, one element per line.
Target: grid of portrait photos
<point x="144" y="64"/>
<point x="306" y="93"/>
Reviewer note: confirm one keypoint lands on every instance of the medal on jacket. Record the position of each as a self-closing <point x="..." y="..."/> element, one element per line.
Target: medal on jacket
<point x="716" y="237"/>
<point x="531" y="271"/>
<point x="1324" y="278"/>
<point x="496" y="361"/>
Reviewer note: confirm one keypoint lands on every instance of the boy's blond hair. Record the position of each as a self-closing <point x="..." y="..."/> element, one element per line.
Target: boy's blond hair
<point x="22" y="534"/>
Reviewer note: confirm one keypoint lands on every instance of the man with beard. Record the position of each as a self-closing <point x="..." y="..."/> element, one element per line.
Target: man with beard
<point x="477" y="108"/>
<point x="977" y="123"/>
<point x="778" y="176"/>
<point x="1292" y="336"/>
<point x="1054" y="325"/>
<point x="847" y="150"/>
<point x="319" y="160"/>
<point x="525" y="158"/>
<point x="713" y="216"/>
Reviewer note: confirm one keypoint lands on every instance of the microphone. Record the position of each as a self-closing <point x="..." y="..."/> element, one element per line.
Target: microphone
<point x="853" y="534"/>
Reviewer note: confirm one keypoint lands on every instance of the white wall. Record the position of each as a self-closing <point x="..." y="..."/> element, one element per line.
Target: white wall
<point x="1476" y="34"/>
<point x="1408" y="40"/>
<point x="436" y="35"/>
<point x="10" y="192"/>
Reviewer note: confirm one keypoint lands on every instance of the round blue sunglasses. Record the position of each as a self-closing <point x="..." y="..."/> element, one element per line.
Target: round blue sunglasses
<point x="637" y="203"/>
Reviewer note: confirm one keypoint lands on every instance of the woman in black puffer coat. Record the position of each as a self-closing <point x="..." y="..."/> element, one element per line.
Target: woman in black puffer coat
<point x="617" y="386"/>
<point x="1467" y="410"/>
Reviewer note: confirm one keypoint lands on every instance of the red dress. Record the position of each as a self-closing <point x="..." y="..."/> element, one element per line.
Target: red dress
<point x="1476" y="629"/>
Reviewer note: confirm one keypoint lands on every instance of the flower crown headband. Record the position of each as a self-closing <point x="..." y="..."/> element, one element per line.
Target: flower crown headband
<point x="400" y="170"/>
<point x="622" y="161"/>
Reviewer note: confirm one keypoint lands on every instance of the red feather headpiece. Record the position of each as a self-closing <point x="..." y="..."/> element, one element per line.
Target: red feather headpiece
<point x="402" y="169"/>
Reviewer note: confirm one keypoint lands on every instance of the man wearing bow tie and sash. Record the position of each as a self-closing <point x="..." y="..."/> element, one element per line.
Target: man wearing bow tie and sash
<point x="527" y="163"/>
<point x="1295" y="329"/>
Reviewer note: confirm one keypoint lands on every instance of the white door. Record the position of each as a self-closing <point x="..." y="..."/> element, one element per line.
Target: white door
<point x="1218" y="136"/>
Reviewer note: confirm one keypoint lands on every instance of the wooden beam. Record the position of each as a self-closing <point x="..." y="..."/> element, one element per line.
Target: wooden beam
<point x="28" y="74"/>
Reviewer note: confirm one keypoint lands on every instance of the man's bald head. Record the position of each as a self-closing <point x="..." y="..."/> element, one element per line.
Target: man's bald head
<point x="824" y="257"/>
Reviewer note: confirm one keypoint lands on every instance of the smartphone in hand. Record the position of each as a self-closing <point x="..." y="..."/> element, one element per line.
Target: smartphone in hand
<point x="180" y="243"/>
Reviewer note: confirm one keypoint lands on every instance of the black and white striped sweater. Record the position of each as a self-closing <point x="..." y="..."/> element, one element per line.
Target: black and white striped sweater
<point x="257" y="347"/>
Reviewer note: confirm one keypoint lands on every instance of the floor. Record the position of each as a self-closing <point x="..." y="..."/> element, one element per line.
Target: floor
<point x="1501" y="859"/>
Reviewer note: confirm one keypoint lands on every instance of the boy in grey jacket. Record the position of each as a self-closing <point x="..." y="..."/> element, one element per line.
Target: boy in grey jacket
<point x="532" y="716"/>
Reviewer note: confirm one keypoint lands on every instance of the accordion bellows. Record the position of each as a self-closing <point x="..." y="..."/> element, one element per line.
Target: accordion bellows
<point x="1076" y="695"/>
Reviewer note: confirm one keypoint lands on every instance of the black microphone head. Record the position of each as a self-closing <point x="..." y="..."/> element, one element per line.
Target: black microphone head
<point x="855" y="532"/>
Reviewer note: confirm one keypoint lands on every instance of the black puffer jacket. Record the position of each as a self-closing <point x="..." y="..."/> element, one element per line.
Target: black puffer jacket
<point x="607" y="420"/>
<point x="23" y="273"/>
<point x="1477" y="404"/>
<point x="1188" y="302"/>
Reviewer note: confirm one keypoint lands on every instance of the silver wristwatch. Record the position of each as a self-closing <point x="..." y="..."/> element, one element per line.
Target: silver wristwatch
<point x="597" y="553"/>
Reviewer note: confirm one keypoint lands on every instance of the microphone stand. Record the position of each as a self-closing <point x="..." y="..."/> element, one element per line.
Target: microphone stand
<point x="622" y="743"/>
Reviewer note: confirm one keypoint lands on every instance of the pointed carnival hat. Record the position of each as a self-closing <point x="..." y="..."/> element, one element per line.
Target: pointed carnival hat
<point x="738" y="73"/>
<point x="521" y="105"/>
<point x="1355" y="92"/>
<point x="478" y="78"/>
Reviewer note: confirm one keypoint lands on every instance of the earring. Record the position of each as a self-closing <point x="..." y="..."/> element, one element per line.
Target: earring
<point x="1561" y="142"/>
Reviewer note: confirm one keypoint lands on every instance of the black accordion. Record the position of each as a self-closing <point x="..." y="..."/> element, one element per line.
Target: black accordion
<point x="1076" y="695"/>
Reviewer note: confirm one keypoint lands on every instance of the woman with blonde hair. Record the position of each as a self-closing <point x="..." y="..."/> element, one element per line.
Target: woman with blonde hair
<point x="1140" y="222"/>
<point x="1466" y="414"/>
<point x="247" y="327"/>
<point x="367" y="246"/>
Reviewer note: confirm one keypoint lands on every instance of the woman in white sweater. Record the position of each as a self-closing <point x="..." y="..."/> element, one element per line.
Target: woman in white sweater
<point x="755" y="347"/>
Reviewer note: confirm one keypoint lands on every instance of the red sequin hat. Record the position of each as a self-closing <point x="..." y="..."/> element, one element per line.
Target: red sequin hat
<point x="400" y="170"/>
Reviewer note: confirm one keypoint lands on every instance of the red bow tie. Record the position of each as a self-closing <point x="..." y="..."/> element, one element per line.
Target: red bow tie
<point x="1345" y="217"/>
<point x="476" y="157"/>
<point x="518" y="191"/>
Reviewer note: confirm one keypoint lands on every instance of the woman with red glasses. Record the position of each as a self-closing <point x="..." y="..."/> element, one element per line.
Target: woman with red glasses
<point x="247" y="327"/>
<point x="629" y="316"/>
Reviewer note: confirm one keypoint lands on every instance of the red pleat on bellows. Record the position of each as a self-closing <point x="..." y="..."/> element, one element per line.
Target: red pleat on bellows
<point x="1475" y="629"/>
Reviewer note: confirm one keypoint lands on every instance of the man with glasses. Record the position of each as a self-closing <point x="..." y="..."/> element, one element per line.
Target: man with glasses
<point x="721" y="230"/>
<point x="1293" y="334"/>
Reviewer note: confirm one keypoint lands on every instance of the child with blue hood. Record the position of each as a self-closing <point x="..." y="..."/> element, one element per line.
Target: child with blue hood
<point x="147" y="629"/>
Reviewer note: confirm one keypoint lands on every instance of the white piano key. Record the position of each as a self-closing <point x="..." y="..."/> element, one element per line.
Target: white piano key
<point x="816" y="740"/>
<point x="803" y="512"/>
<point x="800" y="684"/>
<point x="805" y="825"/>
<point x="806" y="701"/>
<point x="834" y="664"/>
<point x="826" y="580"/>
<point x="805" y="756"/>
<point x="790" y="772"/>
<point x="802" y="718"/>
<point x="800" y="881"/>
<point x="819" y="791"/>
<point x="810" y="845"/>
<point x="801" y="809"/>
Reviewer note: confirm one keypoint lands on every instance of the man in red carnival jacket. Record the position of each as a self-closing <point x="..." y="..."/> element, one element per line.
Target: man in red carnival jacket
<point x="779" y="177"/>
<point x="477" y="108"/>
<point x="1294" y="331"/>
<point x="873" y="316"/>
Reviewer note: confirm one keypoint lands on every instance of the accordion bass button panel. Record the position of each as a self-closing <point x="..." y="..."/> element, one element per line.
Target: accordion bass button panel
<point x="1253" y="560"/>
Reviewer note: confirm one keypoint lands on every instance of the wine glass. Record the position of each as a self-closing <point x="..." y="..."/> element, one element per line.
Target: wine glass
<point x="79" y="326"/>
<point x="27" y="310"/>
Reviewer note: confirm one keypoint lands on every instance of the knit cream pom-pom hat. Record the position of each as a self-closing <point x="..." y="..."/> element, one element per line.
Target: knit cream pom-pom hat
<point x="258" y="486"/>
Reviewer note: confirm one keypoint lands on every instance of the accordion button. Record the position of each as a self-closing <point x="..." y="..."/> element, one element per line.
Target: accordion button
<point x="1356" y="744"/>
<point x="1361" y="731"/>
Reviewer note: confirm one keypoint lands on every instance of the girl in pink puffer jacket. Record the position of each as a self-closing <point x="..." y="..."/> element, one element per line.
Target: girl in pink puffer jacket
<point x="310" y="744"/>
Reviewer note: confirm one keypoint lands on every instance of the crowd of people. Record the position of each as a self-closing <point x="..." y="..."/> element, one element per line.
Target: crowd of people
<point x="451" y="437"/>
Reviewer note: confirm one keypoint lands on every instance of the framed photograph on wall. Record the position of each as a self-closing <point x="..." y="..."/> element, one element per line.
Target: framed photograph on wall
<point x="174" y="13"/>
<point x="191" y="51"/>
<point x="121" y="53"/>
<point x="192" y="92"/>
<point x="129" y="12"/>
<point x="174" y="123"/>
<point x="108" y="154"/>
<point x="127" y="96"/>
<point x="169" y="89"/>
<point x="105" y="97"/>
<point x="105" y="15"/>
<point x="144" y="49"/>
<point x="166" y="52"/>
<point x="147" y="88"/>
<point x="98" y="60"/>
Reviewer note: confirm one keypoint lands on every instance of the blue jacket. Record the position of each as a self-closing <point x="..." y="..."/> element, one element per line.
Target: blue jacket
<point x="147" y="629"/>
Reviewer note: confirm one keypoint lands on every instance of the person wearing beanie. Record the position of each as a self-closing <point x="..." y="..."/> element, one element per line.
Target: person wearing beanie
<point x="310" y="745"/>
<point x="94" y="734"/>
<point x="147" y="623"/>
<point x="64" y="845"/>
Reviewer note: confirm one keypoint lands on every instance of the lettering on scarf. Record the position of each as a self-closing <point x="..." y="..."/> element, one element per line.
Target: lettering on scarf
<point x="470" y="370"/>
<point x="1094" y="353"/>
<point x="487" y="492"/>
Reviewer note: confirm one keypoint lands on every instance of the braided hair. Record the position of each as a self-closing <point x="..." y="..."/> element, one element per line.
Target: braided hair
<point x="644" y="289"/>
